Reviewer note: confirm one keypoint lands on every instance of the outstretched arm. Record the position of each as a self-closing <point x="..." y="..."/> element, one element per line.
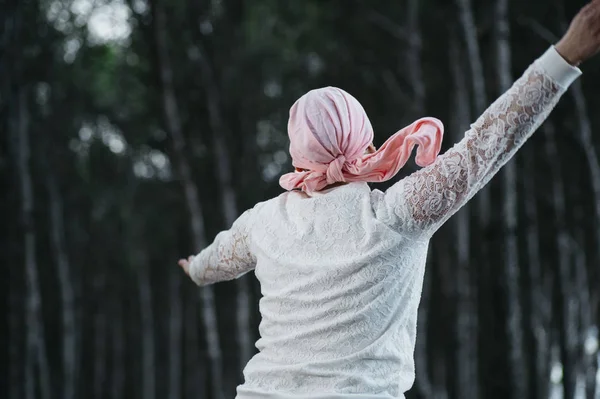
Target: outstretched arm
<point x="227" y="258"/>
<point x="422" y="202"/>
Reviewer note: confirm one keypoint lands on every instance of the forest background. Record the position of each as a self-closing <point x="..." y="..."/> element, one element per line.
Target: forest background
<point x="133" y="131"/>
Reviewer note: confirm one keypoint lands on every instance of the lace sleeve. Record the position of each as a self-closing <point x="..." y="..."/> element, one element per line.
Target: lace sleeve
<point x="228" y="257"/>
<point x="423" y="201"/>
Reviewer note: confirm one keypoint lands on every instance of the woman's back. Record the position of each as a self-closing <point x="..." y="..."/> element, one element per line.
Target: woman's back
<point x="340" y="295"/>
<point x="341" y="269"/>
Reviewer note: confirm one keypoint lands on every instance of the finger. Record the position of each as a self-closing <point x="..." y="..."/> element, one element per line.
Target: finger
<point x="190" y="258"/>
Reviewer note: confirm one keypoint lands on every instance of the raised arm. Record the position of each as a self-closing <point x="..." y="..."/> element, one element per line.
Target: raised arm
<point x="423" y="201"/>
<point x="419" y="204"/>
<point x="227" y="258"/>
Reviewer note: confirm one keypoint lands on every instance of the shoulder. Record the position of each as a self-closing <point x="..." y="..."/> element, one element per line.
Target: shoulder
<point x="267" y="205"/>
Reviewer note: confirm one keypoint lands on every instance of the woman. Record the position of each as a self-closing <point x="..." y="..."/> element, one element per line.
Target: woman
<point x="340" y="266"/>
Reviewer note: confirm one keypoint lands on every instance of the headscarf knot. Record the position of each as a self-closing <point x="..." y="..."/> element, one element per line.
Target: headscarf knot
<point x="334" y="170"/>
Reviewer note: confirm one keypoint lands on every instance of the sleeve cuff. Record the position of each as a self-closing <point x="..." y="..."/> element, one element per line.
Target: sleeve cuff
<point x="195" y="272"/>
<point x="558" y="68"/>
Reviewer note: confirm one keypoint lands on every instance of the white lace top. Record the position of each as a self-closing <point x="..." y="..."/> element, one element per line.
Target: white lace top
<point x="341" y="272"/>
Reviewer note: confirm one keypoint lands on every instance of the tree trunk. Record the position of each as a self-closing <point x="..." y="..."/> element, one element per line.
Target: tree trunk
<point x="174" y="127"/>
<point x="69" y="328"/>
<point x="586" y="369"/>
<point x="569" y="326"/>
<point x="223" y="167"/>
<point x="175" y="335"/>
<point x="16" y="326"/>
<point x="517" y="363"/>
<point x="585" y="312"/>
<point x="554" y="388"/>
<point x="140" y="264"/>
<point x="540" y="304"/>
<point x="466" y="319"/>
<point x="15" y="333"/>
<point x="195" y="378"/>
<point x="567" y="338"/>
<point x="35" y="338"/>
<point x="592" y="386"/>
<point x="100" y="344"/>
<point x="413" y="56"/>
<point x="467" y="23"/>
<point x="118" y="353"/>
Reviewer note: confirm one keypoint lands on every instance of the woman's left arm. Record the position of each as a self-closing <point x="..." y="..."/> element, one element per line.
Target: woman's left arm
<point x="227" y="258"/>
<point x="423" y="201"/>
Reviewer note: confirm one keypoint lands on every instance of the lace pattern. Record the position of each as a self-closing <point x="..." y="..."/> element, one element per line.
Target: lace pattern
<point x="228" y="257"/>
<point x="423" y="201"/>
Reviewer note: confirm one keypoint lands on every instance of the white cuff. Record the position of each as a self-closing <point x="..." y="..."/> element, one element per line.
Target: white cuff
<point x="195" y="271"/>
<point x="558" y="68"/>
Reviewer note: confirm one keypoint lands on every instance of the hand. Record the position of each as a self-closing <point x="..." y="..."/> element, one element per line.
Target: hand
<point x="582" y="39"/>
<point x="185" y="264"/>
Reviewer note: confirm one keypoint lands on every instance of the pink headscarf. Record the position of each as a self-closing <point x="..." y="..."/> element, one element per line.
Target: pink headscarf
<point x="329" y="132"/>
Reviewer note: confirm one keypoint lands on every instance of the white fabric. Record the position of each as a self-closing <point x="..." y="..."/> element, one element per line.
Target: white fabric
<point x="341" y="272"/>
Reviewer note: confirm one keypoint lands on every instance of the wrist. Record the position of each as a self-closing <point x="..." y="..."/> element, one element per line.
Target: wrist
<point x="563" y="50"/>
